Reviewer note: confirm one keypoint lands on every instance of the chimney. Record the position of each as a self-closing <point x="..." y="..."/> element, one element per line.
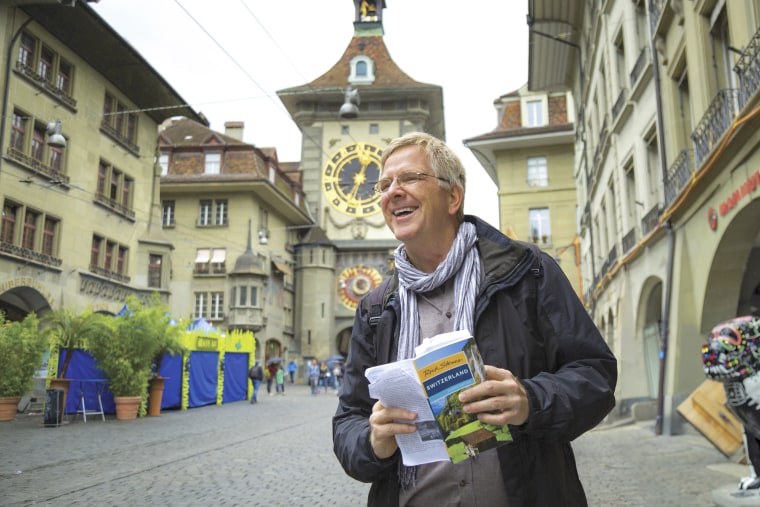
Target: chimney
<point x="234" y="129"/>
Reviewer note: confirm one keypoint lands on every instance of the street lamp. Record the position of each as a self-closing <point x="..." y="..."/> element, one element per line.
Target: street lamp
<point x="350" y="110"/>
<point x="56" y="139"/>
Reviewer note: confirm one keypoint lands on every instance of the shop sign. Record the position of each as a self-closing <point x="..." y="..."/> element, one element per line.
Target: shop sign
<point x="740" y="193"/>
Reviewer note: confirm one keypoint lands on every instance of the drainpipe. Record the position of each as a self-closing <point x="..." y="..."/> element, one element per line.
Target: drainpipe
<point x="9" y="61"/>
<point x="664" y="332"/>
<point x="664" y="328"/>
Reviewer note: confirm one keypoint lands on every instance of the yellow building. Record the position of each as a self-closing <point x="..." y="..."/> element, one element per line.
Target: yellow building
<point x="234" y="216"/>
<point x="667" y="151"/>
<point x="78" y="182"/>
<point x="529" y="155"/>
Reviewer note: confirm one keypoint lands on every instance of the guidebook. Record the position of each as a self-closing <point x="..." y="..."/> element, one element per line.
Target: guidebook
<point x="429" y="384"/>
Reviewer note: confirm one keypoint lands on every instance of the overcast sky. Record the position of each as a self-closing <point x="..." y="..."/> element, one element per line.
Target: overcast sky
<point x="228" y="58"/>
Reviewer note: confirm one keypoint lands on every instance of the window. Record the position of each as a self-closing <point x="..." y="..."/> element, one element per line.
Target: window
<point x="119" y="122"/>
<point x="97" y="245"/>
<point x="537" y="172"/>
<point x="212" y="163"/>
<point x="344" y="130"/>
<point x="540" y="230"/>
<point x="118" y="186"/>
<point x="212" y="212"/>
<point x="167" y="217"/>
<point x="8" y="230"/>
<point x="374" y="128"/>
<point x="362" y="70"/>
<point x="18" y="132"/>
<point x="534" y="113"/>
<point x="163" y="161"/>
<point x="109" y="258"/>
<point x="154" y="270"/>
<point x="217" y="305"/>
<point x="204" y="213"/>
<point x="26" y="50"/>
<point x="63" y="81"/>
<point x="210" y="261"/>
<point x="45" y="69"/>
<point x="200" y="305"/>
<point x="263" y="226"/>
<point x="38" y="143"/>
<point x="49" y="233"/>
<point x="210" y="305"/>
<point x="37" y="235"/>
<point x="30" y="229"/>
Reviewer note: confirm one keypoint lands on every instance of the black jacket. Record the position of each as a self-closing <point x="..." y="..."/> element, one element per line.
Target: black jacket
<point x="534" y="326"/>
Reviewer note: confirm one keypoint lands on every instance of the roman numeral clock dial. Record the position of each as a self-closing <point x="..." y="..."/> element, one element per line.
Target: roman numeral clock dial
<point x="348" y="177"/>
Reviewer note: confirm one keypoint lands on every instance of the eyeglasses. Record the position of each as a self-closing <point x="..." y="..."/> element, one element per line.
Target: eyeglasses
<point x="403" y="179"/>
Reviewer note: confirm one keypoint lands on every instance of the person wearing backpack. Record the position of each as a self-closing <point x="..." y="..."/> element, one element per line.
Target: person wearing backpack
<point x="550" y="375"/>
<point x="256" y="374"/>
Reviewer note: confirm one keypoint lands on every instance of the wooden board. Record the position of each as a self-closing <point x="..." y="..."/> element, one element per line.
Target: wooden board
<point x="706" y="410"/>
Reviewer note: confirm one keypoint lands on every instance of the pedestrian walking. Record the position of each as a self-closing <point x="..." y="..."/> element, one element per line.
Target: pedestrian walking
<point x="549" y="373"/>
<point x="271" y="374"/>
<point x="313" y="371"/>
<point x="280" y="380"/>
<point x="292" y="369"/>
<point x="256" y="373"/>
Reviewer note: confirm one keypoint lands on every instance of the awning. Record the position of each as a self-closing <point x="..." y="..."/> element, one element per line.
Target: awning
<point x="204" y="254"/>
<point x="219" y="255"/>
<point x="282" y="267"/>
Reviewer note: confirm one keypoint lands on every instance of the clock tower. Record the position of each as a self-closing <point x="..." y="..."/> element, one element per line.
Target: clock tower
<point x="346" y="116"/>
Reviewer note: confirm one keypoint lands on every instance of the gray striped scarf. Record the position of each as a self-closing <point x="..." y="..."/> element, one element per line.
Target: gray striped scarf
<point x="463" y="262"/>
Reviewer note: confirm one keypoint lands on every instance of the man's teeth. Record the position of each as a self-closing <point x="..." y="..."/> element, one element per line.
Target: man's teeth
<point x="402" y="211"/>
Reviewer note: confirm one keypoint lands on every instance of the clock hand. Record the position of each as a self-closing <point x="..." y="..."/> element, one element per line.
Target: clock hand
<point x="360" y="177"/>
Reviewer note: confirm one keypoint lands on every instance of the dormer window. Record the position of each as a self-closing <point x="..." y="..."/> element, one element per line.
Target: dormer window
<point x="362" y="70"/>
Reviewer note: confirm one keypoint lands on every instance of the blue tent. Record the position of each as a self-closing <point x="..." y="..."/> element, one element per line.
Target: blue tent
<point x="201" y="324"/>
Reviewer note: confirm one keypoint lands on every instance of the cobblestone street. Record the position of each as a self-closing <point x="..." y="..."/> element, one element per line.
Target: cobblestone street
<point x="279" y="453"/>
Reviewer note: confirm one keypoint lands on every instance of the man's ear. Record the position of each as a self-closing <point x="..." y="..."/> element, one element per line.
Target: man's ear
<point x="456" y="199"/>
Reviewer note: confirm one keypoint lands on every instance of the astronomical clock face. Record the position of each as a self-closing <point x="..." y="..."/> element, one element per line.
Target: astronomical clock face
<point x="348" y="178"/>
<point x="355" y="282"/>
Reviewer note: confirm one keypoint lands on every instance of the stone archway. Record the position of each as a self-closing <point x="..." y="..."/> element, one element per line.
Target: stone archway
<point x="21" y="300"/>
<point x="650" y="321"/>
<point x="734" y="275"/>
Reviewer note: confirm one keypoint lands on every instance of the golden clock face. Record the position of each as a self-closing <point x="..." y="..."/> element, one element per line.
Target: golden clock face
<point x="348" y="178"/>
<point x="356" y="281"/>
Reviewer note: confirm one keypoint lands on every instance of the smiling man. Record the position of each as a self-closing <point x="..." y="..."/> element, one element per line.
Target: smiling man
<point x="550" y="375"/>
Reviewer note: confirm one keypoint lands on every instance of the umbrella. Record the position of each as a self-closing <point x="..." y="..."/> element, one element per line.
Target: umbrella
<point x="334" y="359"/>
<point x="273" y="360"/>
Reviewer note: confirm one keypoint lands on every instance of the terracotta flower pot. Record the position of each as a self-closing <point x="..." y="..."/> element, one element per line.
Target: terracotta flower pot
<point x="156" y="395"/>
<point x="127" y="407"/>
<point x="8" y="408"/>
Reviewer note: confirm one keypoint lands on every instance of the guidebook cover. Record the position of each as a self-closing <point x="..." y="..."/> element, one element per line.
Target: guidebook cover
<point x="443" y="372"/>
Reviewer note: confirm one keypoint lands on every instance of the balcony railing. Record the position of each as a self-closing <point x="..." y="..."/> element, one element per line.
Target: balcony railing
<point x="748" y="70"/>
<point x="679" y="175"/>
<point x="25" y="253"/>
<point x="107" y="273"/>
<point x="629" y="240"/>
<point x="117" y="136"/>
<point x="714" y="123"/>
<point x="114" y="205"/>
<point x="54" y="175"/>
<point x="46" y="85"/>
<point x="619" y="103"/>
<point x="650" y="220"/>
<point x="639" y="66"/>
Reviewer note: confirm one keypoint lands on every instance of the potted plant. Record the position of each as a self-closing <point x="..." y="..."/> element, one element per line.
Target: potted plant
<point x="22" y="346"/>
<point x="126" y="354"/>
<point x="70" y="330"/>
<point x="168" y="343"/>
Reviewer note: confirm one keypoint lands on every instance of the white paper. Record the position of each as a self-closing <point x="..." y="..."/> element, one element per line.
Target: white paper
<point x="397" y="385"/>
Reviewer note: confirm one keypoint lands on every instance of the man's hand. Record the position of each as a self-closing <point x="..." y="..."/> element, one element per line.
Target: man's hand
<point x="384" y="427"/>
<point x="499" y="400"/>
